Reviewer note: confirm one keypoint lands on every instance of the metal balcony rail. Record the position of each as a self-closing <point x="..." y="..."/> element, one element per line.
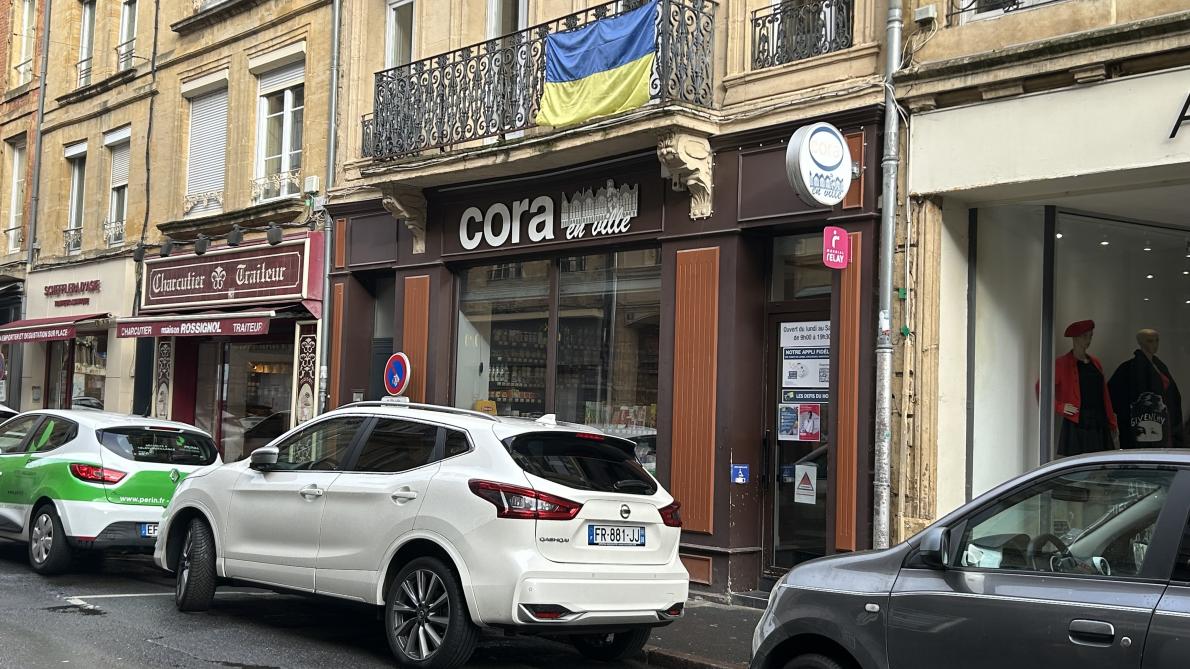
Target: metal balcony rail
<point x="494" y="88"/>
<point x="113" y="232"/>
<point x="16" y="237"/>
<point x="367" y="126"/>
<point x="125" y="55"/>
<point x="799" y="29"/>
<point x="277" y="185"/>
<point x="200" y="5"/>
<point x="84" y="71"/>
<point x="202" y="199"/>
<point x="23" y="71"/>
<point x="72" y="239"/>
<point x="959" y="10"/>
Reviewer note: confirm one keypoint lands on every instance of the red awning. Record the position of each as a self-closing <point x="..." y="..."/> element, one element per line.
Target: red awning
<point x="44" y="329"/>
<point x="244" y="324"/>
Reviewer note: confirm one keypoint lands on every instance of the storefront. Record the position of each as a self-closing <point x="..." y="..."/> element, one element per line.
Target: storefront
<point x="1079" y="244"/>
<point x="71" y="357"/>
<point x="591" y="293"/>
<point x="235" y="336"/>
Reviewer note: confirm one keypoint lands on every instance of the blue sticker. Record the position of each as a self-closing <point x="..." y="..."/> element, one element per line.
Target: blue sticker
<point x="740" y="473"/>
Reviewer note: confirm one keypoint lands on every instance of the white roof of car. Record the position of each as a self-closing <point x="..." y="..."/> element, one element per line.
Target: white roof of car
<point x="502" y="426"/>
<point x="99" y="420"/>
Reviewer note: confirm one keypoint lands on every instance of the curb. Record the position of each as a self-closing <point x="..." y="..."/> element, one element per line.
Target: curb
<point x="672" y="659"/>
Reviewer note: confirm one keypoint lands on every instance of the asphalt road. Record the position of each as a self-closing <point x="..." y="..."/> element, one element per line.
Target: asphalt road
<point x="119" y="612"/>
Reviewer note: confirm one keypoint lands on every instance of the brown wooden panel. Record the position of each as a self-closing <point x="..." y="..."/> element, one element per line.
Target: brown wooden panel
<point x="415" y="333"/>
<point x="340" y="243"/>
<point x="699" y="568"/>
<point x="338" y="296"/>
<point x="696" y="354"/>
<point x="847" y="449"/>
<point x="854" y="198"/>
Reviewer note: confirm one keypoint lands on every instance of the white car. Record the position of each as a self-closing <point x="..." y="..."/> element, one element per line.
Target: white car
<point x="88" y="480"/>
<point x="451" y="520"/>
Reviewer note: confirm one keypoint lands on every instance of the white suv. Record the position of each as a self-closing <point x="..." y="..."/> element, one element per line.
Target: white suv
<point x="451" y="520"/>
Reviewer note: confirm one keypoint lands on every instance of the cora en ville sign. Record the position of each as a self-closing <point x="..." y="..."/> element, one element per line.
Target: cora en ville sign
<point x="606" y="211"/>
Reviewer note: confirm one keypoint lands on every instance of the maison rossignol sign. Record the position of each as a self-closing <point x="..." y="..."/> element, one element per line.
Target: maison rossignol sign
<point x="575" y="211"/>
<point x="195" y="327"/>
<point x="225" y="277"/>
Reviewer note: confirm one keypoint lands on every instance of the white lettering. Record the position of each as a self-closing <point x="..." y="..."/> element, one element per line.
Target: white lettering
<point x="248" y="275"/>
<point x="541" y="226"/>
<point x="489" y="228"/>
<point x="472" y="215"/>
<point x="518" y="208"/>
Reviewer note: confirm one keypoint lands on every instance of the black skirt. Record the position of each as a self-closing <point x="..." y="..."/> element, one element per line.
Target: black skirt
<point x="1074" y="439"/>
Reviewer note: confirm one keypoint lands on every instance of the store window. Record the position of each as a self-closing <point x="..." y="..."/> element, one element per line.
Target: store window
<point x="798" y="271"/>
<point x="603" y="364"/>
<point x="77" y="372"/>
<point x="244" y="393"/>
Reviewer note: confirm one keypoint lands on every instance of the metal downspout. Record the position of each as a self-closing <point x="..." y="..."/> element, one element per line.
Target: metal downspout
<point x="328" y="224"/>
<point x="882" y="488"/>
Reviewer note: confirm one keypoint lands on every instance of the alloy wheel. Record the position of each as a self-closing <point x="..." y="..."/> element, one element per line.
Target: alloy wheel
<point x="421" y="614"/>
<point x="184" y="564"/>
<point x="42" y="538"/>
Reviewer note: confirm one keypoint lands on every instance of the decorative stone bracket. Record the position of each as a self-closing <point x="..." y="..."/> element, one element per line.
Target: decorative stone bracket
<point x="687" y="160"/>
<point x="409" y="205"/>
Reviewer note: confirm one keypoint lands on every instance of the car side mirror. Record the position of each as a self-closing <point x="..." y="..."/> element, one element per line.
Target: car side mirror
<point x="264" y="458"/>
<point x="934" y="548"/>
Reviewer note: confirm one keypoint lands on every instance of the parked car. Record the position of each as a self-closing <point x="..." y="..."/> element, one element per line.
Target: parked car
<point x="1082" y="563"/>
<point x="450" y="520"/>
<point x="82" y="480"/>
<point x="84" y="402"/>
<point x="6" y="412"/>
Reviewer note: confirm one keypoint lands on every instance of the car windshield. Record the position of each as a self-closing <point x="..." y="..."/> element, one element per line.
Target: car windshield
<point x="162" y="446"/>
<point x="582" y="461"/>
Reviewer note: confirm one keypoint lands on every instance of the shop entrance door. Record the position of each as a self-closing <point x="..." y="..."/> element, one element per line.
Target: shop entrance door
<point x="244" y="391"/>
<point x="799" y="513"/>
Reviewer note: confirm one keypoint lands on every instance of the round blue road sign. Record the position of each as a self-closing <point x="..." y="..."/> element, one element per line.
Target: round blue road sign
<point x="396" y="374"/>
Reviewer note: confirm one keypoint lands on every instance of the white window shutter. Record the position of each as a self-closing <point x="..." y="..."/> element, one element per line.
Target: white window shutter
<point x="282" y="77"/>
<point x="208" y="149"/>
<point x="120" y="154"/>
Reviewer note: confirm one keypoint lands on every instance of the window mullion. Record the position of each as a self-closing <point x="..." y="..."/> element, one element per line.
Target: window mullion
<point x="551" y="348"/>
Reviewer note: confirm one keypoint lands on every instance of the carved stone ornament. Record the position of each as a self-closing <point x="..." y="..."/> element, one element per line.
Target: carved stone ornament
<point x="409" y="205"/>
<point x="687" y="161"/>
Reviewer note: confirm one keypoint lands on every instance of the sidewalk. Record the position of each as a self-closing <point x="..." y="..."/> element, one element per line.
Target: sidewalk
<point x="708" y="636"/>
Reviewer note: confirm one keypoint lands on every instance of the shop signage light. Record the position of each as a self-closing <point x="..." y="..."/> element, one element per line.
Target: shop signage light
<point x="607" y="211"/>
<point x="818" y="163"/>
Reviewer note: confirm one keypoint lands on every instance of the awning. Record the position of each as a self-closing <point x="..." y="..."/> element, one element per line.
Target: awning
<point x="215" y="324"/>
<point x="44" y="329"/>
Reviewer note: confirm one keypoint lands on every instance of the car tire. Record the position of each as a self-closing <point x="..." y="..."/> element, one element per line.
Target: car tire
<point x="813" y="661"/>
<point x="425" y="602"/>
<point x="195" y="586"/>
<point x="49" y="549"/>
<point x="612" y="647"/>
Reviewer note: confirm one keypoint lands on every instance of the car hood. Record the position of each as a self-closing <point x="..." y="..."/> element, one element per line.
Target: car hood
<point x="864" y="572"/>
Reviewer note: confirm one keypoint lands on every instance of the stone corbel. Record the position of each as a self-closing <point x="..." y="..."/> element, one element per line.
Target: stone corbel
<point x="409" y="205"/>
<point x="686" y="160"/>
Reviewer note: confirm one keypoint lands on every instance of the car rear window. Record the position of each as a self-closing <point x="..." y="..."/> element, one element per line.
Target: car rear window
<point x="167" y="447"/>
<point x="582" y="461"/>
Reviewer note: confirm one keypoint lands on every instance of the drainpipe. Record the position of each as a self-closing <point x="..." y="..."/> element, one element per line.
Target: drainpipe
<point x="17" y="360"/>
<point x="882" y="488"/>
<point x="328" y="225"/>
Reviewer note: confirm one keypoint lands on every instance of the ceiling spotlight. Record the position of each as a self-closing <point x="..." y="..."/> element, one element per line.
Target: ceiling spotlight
<point x="201" y="244"/>
<point x="236" y="236"/>
<point x="1058" y="236"/>
<point x="1148" y="248"/>
<point x="1185" y="272"/>
<point x="274" y="234"/>
<point x="1148" y="276"/>
<point x="167" y="247"/>
<point x="1146" y="299"/>
<point x="1104" y="243"/>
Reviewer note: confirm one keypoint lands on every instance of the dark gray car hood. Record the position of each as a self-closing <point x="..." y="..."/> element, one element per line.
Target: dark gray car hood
<point x="866" y="572"/>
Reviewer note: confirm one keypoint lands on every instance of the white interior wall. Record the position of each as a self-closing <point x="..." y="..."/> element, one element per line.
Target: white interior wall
<point x="952" y="358"/>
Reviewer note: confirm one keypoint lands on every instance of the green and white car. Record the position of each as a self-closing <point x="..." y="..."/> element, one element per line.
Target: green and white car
<point x="90" y="480"/>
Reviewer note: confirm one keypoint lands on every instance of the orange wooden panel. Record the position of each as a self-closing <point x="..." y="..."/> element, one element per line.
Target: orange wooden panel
<point x="336" y="343"/>
<point x="847" y="444"/>
<point x="696" y="354"/>
<point x="855" y="195"/>
<point x="415" y="335"/>
<point x="340" y="243"/>
<point x="699" y="568"/>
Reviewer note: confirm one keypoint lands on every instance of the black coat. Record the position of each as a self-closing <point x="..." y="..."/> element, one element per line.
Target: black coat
<point x="1144" y="408"/>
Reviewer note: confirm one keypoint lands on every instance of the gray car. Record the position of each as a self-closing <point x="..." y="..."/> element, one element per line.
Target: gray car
<point x="1083" y="563"/>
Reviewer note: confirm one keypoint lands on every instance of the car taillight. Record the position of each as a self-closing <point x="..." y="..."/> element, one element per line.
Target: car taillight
<point x="589" y="436"/>
<point x="525" y="503"/>
<point x="93" y="474"/>
<point x="671" y="515"/>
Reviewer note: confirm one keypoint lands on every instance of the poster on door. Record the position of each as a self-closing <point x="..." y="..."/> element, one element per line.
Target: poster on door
<point x="787" y="427"/>
<point x="805" y="489"/>
<point x="806" y="367"/>
<point x="809" y="422"/>
<point x="805" y="380"/>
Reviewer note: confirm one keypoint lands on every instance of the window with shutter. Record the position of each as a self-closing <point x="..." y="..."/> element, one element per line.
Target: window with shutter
<point x="16" y="215"/>
<point x="279" y="133"/>
<point x="207" y="162"/>
<point x="113" y="228"/>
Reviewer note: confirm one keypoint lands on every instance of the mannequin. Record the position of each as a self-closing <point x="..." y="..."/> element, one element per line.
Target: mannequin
<point x="1081" y="397"/>
<point x="1147" y="401"/>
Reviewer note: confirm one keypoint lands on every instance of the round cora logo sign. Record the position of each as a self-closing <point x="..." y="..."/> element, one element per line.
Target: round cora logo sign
<point x="818" y="164"/>
<point x="396" y="374"/>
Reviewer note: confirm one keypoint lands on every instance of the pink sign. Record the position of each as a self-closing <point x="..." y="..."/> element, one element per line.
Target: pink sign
<point x="836" y="248"/>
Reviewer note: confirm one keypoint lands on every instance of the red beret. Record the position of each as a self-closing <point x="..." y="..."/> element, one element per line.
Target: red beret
<point x="1079" y="328"/>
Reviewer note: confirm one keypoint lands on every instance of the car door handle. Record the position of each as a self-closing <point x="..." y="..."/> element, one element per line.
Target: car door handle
<point x="404" y="495"/>
<point x="1094" y="632"/>
<point x="310" y="492"/>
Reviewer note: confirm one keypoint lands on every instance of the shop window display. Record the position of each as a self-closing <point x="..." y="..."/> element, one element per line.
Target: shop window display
<point x="77" y="372"/>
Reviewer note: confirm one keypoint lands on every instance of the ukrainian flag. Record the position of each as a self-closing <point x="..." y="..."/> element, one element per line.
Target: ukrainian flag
<point x="600" y="69"/>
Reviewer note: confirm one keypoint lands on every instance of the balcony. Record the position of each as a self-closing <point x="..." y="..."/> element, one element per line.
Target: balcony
<point x="125" y="55"/>
<point x="113" y="233"/>
<point x="23" y="71"/>
<point x="83" y="68"/>
<point x="72" y="240"/>
<point x="273" y="186"/>
<point x="16" y="237"/>
<point x="798" y="29"/>
<point x="493" y="89"/>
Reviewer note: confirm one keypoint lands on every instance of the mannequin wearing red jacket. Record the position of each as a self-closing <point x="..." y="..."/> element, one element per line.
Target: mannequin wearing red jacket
<point x="1082" y="399"/>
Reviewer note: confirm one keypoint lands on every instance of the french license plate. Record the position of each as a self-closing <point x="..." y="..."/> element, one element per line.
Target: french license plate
<point x="615" y="535"/>
<point x="148" y="530"/>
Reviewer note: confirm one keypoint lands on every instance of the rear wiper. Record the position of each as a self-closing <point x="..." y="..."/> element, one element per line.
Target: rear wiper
<point x="633" y="483"/>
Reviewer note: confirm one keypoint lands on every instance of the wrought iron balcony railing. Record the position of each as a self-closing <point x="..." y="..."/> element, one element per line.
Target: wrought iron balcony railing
<point x="277" y="185"/>
<point x="84" y="71"/>
<point x="23" y="71"/>
<point x="72" y="239"/>
<point x="799" y="29"/>
<point x="494" y="88"/>
<point x="367" y="126"/>
<point x="125" y="54"/>
<point x="959" y="10"/>
<point x="113" y="232"/>
<point x="16" y="237"/>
